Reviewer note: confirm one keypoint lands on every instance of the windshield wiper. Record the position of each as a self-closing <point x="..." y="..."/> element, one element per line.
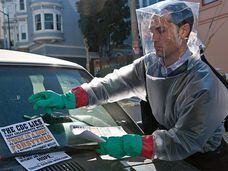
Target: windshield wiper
<point x="49" y="119"/>
<point x="56" y="118"/>
<point x="79" y="148"/>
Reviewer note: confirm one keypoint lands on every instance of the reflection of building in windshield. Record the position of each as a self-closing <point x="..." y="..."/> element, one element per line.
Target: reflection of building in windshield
<point x="15" y="91"/>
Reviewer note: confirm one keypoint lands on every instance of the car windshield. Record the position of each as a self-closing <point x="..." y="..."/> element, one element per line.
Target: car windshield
<point x="20" y="82"/>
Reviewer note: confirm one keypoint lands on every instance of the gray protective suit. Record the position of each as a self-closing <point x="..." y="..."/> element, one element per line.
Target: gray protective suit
<point x="191" y="104"/>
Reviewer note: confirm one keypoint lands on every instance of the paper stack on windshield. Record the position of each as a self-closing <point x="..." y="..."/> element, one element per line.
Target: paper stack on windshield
<point x="95" y="133"/>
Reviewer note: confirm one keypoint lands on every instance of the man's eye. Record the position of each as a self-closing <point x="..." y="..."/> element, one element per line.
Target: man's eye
<point x="160" y="30"/>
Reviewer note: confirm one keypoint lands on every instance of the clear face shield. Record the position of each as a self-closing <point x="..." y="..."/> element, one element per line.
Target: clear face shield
<point x="168" y="28"/>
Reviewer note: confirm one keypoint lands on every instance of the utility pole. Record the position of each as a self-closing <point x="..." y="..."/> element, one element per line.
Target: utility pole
<point x="9" y="36"/>
<point x="134" y="29"/>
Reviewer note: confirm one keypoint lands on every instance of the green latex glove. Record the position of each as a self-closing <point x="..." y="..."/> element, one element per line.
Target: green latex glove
<point x="127" y="145"/>
<point x="50" y="100"/>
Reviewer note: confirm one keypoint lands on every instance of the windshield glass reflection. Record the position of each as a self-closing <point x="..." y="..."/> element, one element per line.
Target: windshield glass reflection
<point x="18" y="83"/>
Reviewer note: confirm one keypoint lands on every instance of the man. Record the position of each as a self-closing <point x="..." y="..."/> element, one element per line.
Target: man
<point x="186" y="97"/>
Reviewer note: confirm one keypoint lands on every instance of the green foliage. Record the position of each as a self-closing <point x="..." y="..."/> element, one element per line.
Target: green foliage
<point x="104" y="22"/>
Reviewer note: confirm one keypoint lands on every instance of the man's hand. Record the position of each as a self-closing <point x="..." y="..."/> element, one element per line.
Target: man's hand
<point x="118" y="147"/>
<point x="127" y="145"/>
<point x="50" y="100"/>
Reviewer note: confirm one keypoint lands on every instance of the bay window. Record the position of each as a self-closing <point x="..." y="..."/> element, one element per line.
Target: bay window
<point x="58" y="22"/>
<point x="38" y="22"/>
<point x="48" y="21"/>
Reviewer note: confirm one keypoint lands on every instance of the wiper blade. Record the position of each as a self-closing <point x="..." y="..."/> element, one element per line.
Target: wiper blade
<point x="79" y="148"/>
<point x="56" y="118"/>
<point x="50" y="118"/>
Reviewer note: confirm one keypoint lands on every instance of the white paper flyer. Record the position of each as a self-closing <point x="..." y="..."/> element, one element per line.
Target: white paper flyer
<point x="30" y="135"/>
<point x="95" y="133"/>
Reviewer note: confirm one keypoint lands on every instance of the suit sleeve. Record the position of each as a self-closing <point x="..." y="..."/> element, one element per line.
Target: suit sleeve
<point x="123" y="83"/>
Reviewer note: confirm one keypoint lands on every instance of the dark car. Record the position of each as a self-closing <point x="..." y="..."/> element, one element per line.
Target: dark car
<point x="23" y="74"/>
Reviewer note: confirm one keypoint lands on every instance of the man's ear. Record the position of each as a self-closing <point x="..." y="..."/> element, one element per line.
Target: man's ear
<point x="184" y="31"/>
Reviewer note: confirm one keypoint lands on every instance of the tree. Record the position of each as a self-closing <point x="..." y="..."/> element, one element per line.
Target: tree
<point x="104" y="23"/>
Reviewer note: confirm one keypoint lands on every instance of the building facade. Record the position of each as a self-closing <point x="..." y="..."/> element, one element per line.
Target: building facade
<point x="47" y="27"/>
<point x="213" y="31"/>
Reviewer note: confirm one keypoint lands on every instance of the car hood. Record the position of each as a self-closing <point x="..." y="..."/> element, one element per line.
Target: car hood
<point x="90" y="160"/>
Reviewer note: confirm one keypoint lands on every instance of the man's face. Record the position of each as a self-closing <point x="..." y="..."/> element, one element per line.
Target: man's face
<point x="165" y="36"/>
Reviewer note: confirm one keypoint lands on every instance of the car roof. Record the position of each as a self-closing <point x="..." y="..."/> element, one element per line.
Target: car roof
<point x="11" y="57"/>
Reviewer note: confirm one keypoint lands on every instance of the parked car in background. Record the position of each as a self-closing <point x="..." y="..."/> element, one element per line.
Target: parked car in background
<point x="23" y="74"/>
